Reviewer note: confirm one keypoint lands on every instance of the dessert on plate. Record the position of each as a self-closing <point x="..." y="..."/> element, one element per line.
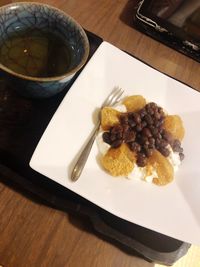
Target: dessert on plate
<point x="138" y="139"/>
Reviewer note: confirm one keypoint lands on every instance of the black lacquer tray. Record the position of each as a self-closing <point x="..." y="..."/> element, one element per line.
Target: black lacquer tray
<point x="181" y="38"/>
<point x="22" y="123"/>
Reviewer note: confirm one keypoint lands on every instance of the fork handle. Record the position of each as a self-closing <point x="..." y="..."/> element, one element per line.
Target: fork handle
<point x="82" y="159"/>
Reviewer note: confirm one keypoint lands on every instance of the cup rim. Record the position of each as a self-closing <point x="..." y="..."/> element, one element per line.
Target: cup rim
<point x="58" y="77"/>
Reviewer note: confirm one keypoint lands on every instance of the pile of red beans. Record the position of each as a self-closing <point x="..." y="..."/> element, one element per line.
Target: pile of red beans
<point x="143" y="132"/>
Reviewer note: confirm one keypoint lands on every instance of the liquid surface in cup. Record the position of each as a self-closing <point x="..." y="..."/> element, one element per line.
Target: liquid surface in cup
<point x="36" y="54"/>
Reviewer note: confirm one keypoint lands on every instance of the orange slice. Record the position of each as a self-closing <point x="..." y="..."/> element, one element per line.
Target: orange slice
<point x="174" y="125"/>
<point x="163" y="168"/>
<point x="109" y="117"/>
<point x="119" y="161"/>
<point x="134" y="103"/>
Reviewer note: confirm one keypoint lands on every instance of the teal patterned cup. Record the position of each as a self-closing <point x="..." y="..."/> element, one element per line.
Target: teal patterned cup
<point x="27" y="73"/>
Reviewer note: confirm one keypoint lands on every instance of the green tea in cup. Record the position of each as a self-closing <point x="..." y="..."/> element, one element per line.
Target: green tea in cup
<point x="41" y="48"/>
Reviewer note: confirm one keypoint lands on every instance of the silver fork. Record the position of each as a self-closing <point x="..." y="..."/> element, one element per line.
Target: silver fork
<point x="111" y="100"/>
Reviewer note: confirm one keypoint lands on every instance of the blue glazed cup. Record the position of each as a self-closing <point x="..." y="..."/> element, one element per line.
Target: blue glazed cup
<point x="18" y="17"/>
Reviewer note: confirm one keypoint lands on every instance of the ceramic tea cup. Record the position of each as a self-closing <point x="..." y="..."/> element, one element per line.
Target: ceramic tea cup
<point x="41" y="48"/>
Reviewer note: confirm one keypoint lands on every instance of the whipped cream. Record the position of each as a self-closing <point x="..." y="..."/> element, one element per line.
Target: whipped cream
<point x="120" y="108"/>
<point x="141" y="174"/>
<point x="174" y="158"/>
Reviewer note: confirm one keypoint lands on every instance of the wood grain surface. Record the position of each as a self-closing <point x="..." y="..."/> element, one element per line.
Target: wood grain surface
<point x="32" y="234"/>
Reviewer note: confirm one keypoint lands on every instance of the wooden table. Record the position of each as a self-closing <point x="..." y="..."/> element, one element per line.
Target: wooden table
<point x="33" y="234"/>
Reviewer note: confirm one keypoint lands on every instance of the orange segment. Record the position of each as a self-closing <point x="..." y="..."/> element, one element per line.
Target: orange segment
<point x="119" y="161"/>
<point x="109" y="117"/>
<point x="174" y="125"/>
<point x="134" y="103"/>
<point x="163" y="168"/>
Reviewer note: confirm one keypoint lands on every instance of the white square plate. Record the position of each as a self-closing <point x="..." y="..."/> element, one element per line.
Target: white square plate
<point x="173" y="209"/>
